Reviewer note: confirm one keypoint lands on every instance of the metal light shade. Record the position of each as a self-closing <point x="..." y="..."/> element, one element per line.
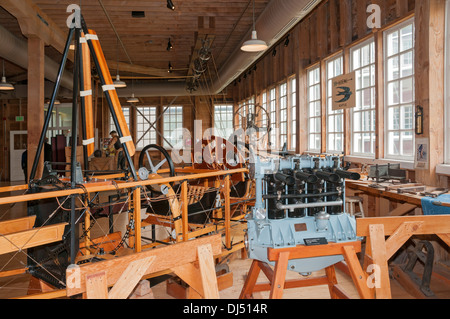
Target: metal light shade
<point x="254" y="45"/>
<point x="132" y="99"/>
<point x="4" y="86"/>
<point x="118" y="83"/>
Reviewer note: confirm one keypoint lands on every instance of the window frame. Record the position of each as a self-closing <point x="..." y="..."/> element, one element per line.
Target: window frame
<point x="330" y="113"/>
<point x="146" y="120"/>
<point x="292" y="110"/>
<point x="318" y="134"/>
<point x="386" y="81"/>
<point x="229" y="114"/>
<point x="169" y="131"/>
<point x="372" y="110"/>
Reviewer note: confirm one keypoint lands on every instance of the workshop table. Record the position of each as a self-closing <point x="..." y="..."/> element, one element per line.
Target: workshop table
<point x="381" y="202"/>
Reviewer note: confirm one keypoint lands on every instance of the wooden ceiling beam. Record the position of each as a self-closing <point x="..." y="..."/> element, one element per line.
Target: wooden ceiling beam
<point x="139" y="69"/>
<point x="33" y="21"/>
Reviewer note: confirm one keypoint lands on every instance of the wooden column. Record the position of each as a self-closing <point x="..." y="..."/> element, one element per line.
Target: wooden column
<point x="429" y="80"/>
<point x="35" y="105"/>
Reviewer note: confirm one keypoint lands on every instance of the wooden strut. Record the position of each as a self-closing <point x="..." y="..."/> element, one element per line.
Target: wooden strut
<point x="277" y="277"/>
<point x="123" y="273"/>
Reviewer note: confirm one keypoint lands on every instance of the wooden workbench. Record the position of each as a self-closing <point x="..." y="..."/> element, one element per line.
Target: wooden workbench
<point x="380" y="202"/>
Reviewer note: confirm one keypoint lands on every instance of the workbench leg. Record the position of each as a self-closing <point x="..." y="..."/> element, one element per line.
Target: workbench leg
<point x="279" y="277"/>
<point x="250" y="282"/>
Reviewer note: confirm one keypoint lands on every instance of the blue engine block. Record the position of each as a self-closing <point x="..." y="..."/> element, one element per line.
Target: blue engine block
<point x="300" y="200"/>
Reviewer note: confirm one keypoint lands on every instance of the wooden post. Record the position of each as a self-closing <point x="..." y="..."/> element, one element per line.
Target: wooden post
<point x="184" y="209"/>
<point x="227" y="212"/>
<point x="429" y="81"/>
<point x="35" y="103"/>
<point x="137" y="219"/>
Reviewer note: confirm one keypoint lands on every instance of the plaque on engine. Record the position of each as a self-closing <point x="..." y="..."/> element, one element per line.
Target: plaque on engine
<point x="300" y="227"/>
<point x="315" y="241"/>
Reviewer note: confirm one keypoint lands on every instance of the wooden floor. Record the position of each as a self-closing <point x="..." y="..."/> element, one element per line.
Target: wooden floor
<point x="15" y="286"/>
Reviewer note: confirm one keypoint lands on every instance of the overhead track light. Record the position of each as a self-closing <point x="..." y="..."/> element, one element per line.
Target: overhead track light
<point x="170" y="5"/>
<point x="169" y="45"/>
<point x="286" y="42"/>
<point x="5" y="86"/>
<point x="254" y="45"/>
<point x="170" y="68"/>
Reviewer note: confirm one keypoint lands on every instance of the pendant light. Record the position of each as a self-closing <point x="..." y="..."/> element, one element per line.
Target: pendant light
<point x="118" y="83"/>
<point x="254" y="45"/>
<point x="132" y="99"/>
<point x="5" y="86"/>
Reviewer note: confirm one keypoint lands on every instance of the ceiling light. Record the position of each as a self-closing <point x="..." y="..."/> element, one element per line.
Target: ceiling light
<point x="118" y="83"/>
<point x="170" y="68"/>
<point x="5" y="86"/>
<point x="254" y="45"/>
<point x="133" y="99"/>
<point x="170" y="5"/>
<point x="169" y="45"/>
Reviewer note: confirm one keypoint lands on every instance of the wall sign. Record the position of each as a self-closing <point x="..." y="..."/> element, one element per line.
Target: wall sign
<point x="343" y="92"/>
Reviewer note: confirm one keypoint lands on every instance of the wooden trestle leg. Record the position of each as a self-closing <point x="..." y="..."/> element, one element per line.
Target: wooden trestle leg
<point x="277" y="276"/>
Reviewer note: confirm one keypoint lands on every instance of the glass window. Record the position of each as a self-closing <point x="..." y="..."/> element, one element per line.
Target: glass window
<point x="126" y="113"/>
<point x="399" y="91"/>
<point x="293" y="111"/>
<point x="173" y="126"/>
<point x="145" y="126"/>
<point x="223" y="120"/>
<point x="363" y="115"/>
<point x="283" y="116"/>
<point x="314" y="110"/>
<point x="273" y="119"/>
<point x="335" y="119"/>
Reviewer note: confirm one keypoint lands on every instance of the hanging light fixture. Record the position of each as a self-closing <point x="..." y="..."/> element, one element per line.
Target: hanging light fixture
<point x="5" y="86"/>
<point x="132" y="99"/>
<point x="254" y="45"/>
<point x="170" y="68"/>
<point x="170" y="5"/>
<point x="118" y="83"/>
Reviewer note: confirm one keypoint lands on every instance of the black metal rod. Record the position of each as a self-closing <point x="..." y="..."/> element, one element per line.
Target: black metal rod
<point x="108" y="99"/>
<point x="73" y="235"/>
<point x="51" y="105"/>
<point x="301" y="196"/>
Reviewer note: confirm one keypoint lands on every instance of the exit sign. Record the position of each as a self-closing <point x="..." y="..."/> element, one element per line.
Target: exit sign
<point x="19" y="118"/>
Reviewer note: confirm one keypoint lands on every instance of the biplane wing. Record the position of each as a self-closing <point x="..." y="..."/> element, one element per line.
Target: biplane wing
<point x="109" y="89"/>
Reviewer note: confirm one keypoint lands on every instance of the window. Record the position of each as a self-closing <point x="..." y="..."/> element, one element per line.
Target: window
<point x="172" y="126"/>
<point x="223" y="120"/>
<point x="283" y="115"/>
<point x="363" y="115"/>
<point x="399" y="91"/>
<point x="126" y="113"/>
<point x="145" y="126"/>
<point x="273" y="118"/>
<point x="314" y="110"/>
<point x="335" y="119"/>
<point x="293" y="111"/>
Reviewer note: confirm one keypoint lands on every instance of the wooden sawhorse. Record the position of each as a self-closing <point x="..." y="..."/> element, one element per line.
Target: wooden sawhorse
<point x="379" y="249"/>
<point x="277" y="277"/>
